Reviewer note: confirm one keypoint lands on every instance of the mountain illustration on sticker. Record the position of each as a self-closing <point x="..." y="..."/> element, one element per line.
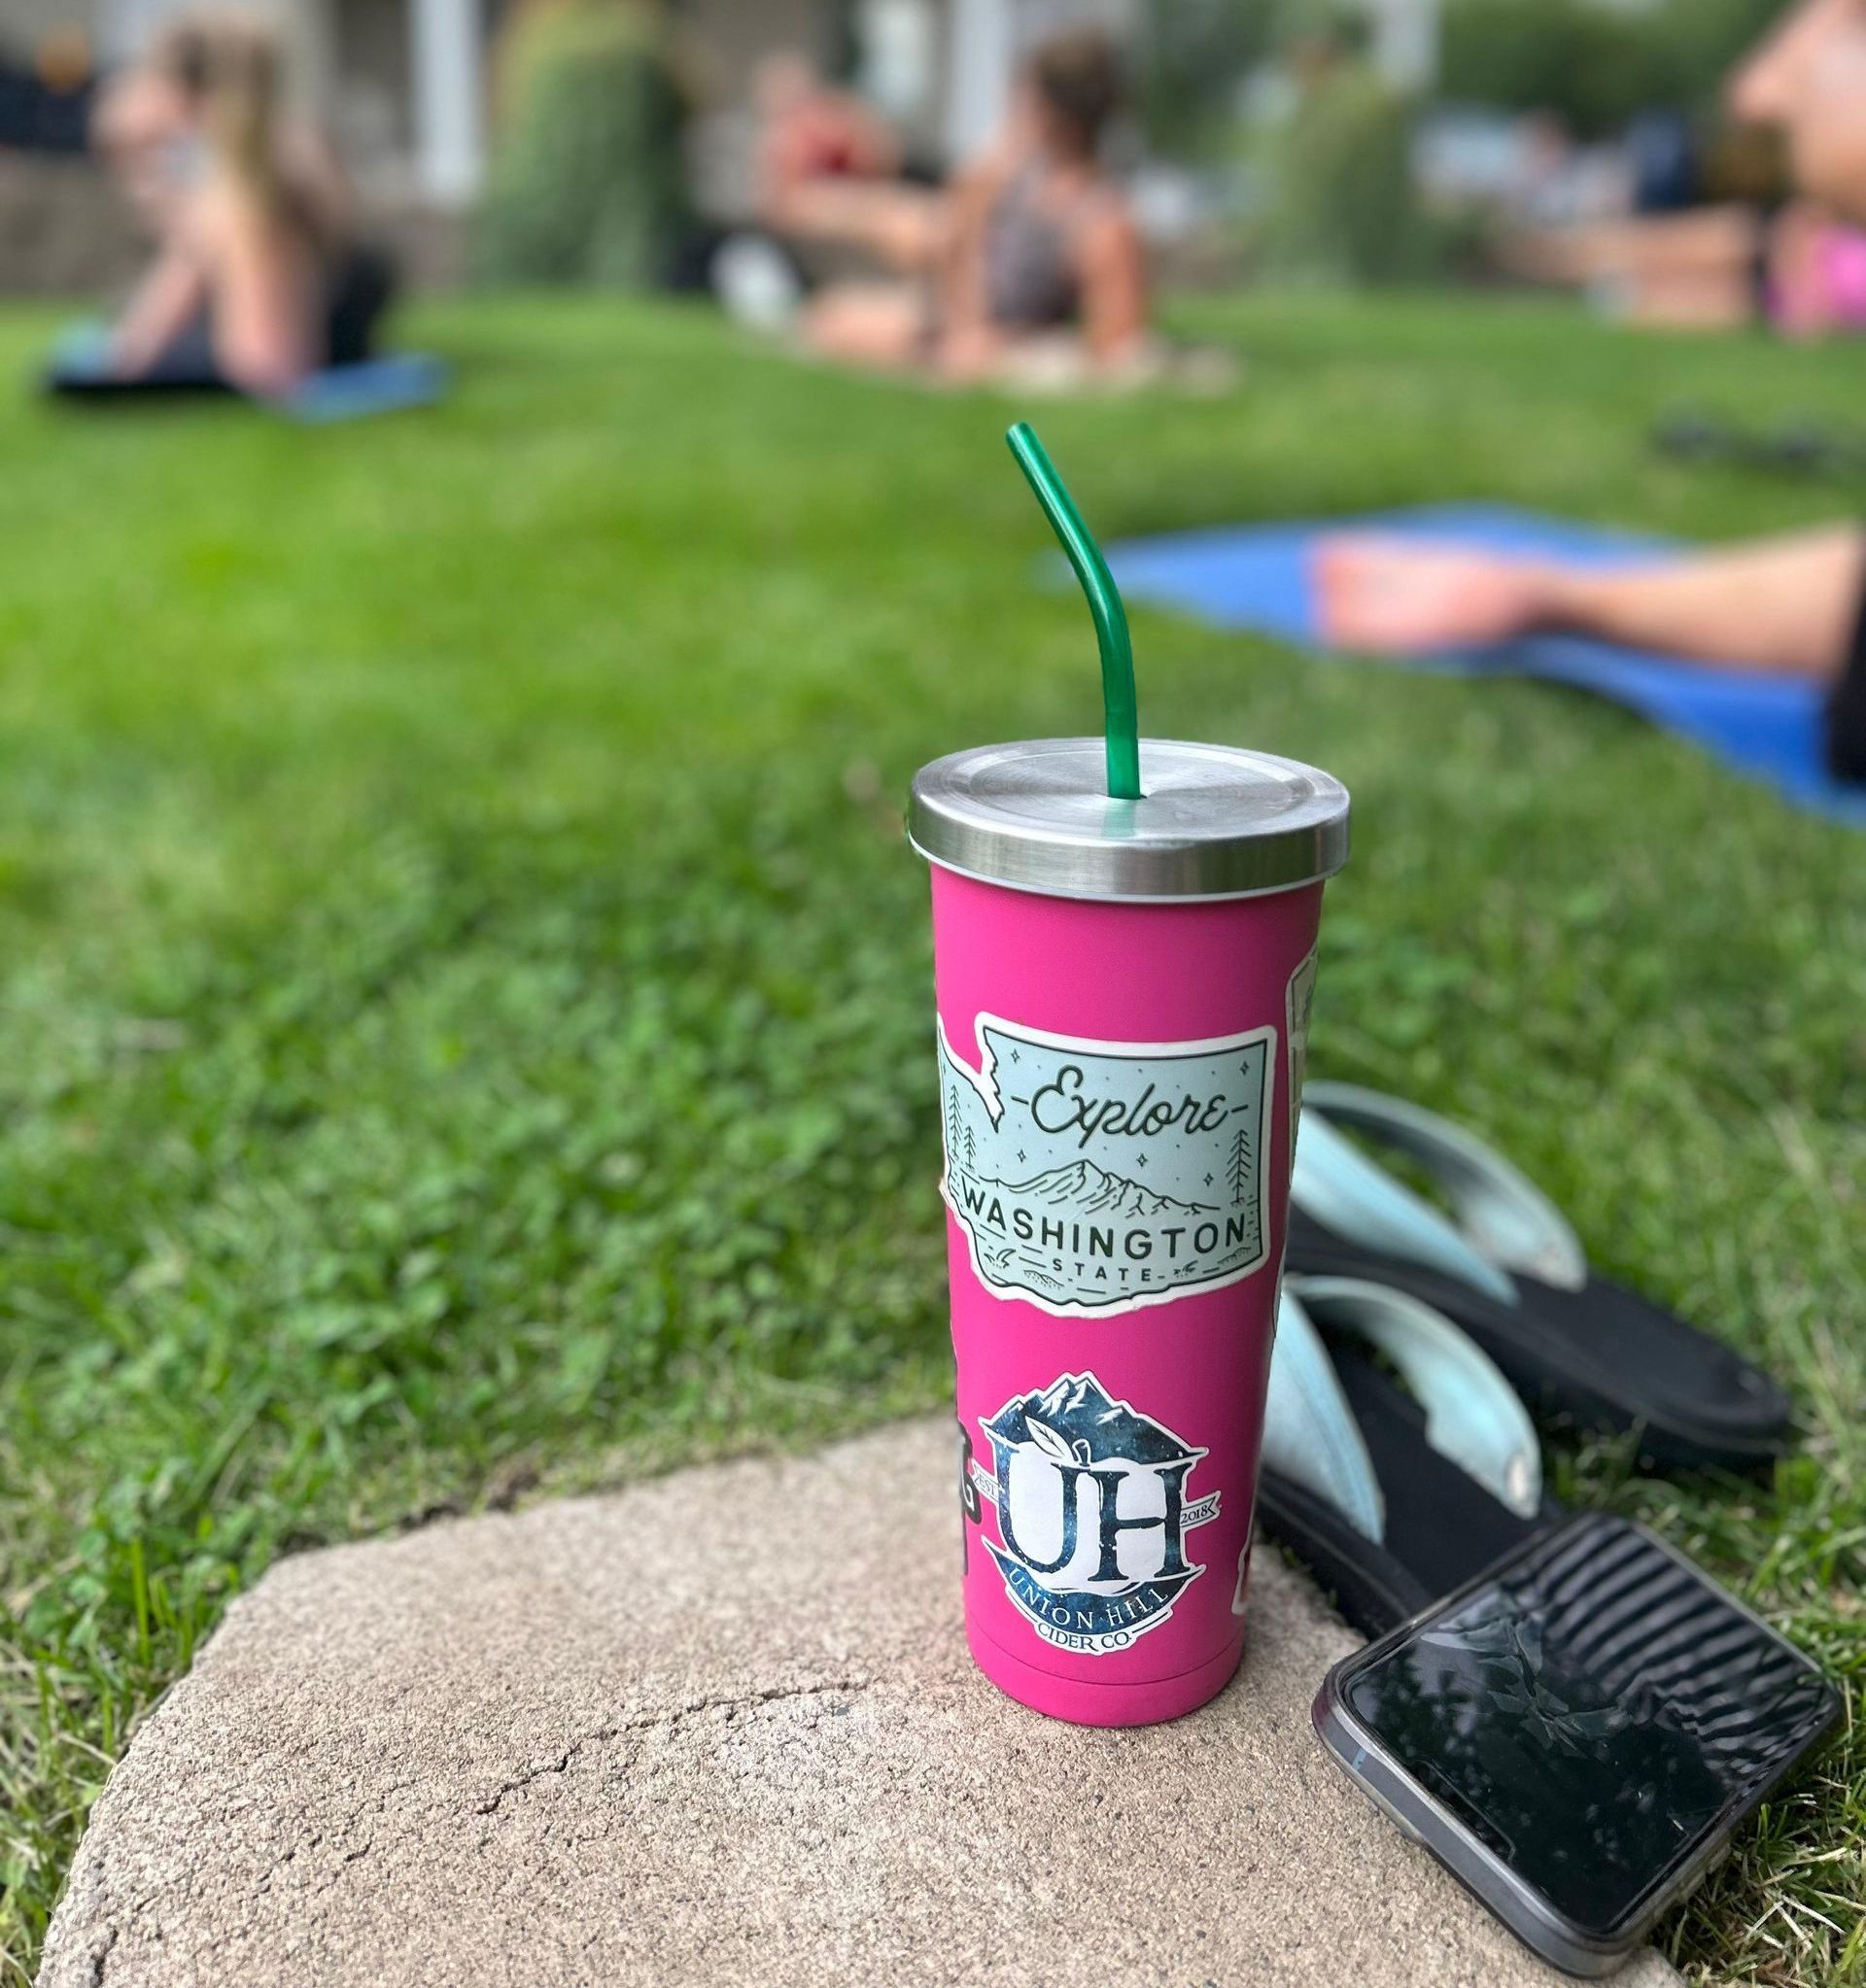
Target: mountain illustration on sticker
<point x="1075" y="1413"/>
<point x="1093" y="1511"/>
<point x="1089" y="1189"/>
<point x="1092" y="1178"/>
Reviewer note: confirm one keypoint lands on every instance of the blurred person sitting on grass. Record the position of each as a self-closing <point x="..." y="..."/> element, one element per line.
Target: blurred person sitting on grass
<point x="1794" y="605"/>
<point x="1031" y="255"/>
<point x="1801" y="269"/>
<point x="258" y="281"/>
<point x="813" y="140"/>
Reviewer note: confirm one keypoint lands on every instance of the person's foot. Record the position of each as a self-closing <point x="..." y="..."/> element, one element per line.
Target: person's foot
<point x="1397" y="596"/>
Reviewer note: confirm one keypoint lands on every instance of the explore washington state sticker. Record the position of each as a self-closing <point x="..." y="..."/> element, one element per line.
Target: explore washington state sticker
<point x="1093" y="1513"/>
<point x="1094" y="1177"/>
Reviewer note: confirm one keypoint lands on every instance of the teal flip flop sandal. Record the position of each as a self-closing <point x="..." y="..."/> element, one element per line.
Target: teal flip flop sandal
<point x="1398" y="1462"/>
<point x="1507" y="1269"/>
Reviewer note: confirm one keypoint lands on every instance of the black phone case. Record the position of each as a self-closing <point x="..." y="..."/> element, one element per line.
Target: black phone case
<point x="1418" y="1813"/>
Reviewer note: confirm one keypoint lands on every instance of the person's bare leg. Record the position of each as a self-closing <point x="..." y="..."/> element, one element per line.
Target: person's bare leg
<point x="1704" y="243"/>
<point x="867" y="324"/>
<point x="1706" y="301"/>
<point x="1781" y="604"/>
<point x="904" y="228"/>
<point x="1719" y="241"/>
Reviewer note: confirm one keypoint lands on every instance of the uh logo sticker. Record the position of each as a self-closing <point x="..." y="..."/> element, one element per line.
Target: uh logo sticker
<point x="1093" y="1510"/>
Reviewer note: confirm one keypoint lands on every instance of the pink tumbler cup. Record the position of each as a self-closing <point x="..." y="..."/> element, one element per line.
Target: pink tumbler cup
<point x="1123" y="993"/>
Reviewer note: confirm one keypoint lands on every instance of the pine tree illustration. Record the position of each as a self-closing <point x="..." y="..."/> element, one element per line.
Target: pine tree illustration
<point x="971" y="1152"/>
<point x="955" y="1124"/>
<point x="1240" y="1165"/>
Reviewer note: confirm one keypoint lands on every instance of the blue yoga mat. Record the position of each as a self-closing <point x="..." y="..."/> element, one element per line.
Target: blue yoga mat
<point x="1257" y="577"/>
<point x="81" y="365"/>
<point x="373" y="386"/>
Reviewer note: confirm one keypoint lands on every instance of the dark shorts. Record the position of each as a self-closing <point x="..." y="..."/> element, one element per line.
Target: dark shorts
<point x="360" y="292"/>
<point x="1847" y="709"/>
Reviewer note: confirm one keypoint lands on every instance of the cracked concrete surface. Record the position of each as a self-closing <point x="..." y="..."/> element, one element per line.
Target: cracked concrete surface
<point x="723" y="1728"/>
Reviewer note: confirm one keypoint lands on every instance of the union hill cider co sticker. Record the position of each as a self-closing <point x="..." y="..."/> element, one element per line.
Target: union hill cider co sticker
<point x="1093" y="1510"/>
<point x="1096" y="1178"/>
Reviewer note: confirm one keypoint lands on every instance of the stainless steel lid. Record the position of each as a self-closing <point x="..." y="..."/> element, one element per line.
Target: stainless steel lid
<point x="1214" y="821"/>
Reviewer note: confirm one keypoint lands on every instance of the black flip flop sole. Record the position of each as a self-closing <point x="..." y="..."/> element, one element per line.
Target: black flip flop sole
<point x="1442" y="1526"/>
<point x="1602" y="1355"/>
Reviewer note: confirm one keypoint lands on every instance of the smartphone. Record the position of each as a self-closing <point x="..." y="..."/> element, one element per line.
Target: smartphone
<point x="1577" y="1733"/>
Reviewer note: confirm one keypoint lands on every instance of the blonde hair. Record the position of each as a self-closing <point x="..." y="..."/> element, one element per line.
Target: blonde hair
<point x="230" y="68"/>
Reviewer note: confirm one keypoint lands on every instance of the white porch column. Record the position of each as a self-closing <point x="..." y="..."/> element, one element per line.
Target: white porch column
<point x="1405" y="41"/>
<point x="982" y="55"/>
<point x="448" y="64"/>
<point x="896" y="38"/>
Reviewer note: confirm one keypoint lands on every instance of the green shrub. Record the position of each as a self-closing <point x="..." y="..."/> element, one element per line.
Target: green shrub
<point x="1193" y="55"/>
<point x="1699" y="40"/>
<point x="1590" y="63"/>
<point x="588" y="181"/>
<point x="1593" y="63"/>
<point x="1340" y="204"/>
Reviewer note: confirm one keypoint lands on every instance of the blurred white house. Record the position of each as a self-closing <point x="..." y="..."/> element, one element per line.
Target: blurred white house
<point x="403" y="82"/>
<point x="404" y="86"/>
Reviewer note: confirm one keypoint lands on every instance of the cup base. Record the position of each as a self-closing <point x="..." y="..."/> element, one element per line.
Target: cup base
<point x="1150" y="1702"/>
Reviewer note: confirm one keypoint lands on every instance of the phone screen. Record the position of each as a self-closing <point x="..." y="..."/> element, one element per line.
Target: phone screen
<point x="1591" y="1713"/>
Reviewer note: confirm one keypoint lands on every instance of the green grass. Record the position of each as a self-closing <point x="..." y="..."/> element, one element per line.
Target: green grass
<point x="465" y="996"/>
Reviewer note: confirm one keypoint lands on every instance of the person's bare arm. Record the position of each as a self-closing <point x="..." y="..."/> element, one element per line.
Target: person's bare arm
<point x="1787" y="604"/>
<point x="874" y="149"/>
<point x="1782" y="604"/>
<point x="1114" y="284"/>
<point x="969" y="342"/>
<point x="265" y="298"/>
<point x="165" y="304"/>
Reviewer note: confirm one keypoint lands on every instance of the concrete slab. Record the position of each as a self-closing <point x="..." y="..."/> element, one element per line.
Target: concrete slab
<point x="723" y="1728"/>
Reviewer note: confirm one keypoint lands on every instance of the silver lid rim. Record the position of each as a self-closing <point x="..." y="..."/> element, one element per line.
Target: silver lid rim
<point x="1124" y="897"/>
<point x="1299" y="837"/>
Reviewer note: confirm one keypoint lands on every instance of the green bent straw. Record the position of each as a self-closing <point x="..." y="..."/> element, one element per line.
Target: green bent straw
<point x="1120" y="717"/>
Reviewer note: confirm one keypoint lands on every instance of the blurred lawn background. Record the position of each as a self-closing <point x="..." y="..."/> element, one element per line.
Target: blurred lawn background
<point x="465" y="1019"/>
